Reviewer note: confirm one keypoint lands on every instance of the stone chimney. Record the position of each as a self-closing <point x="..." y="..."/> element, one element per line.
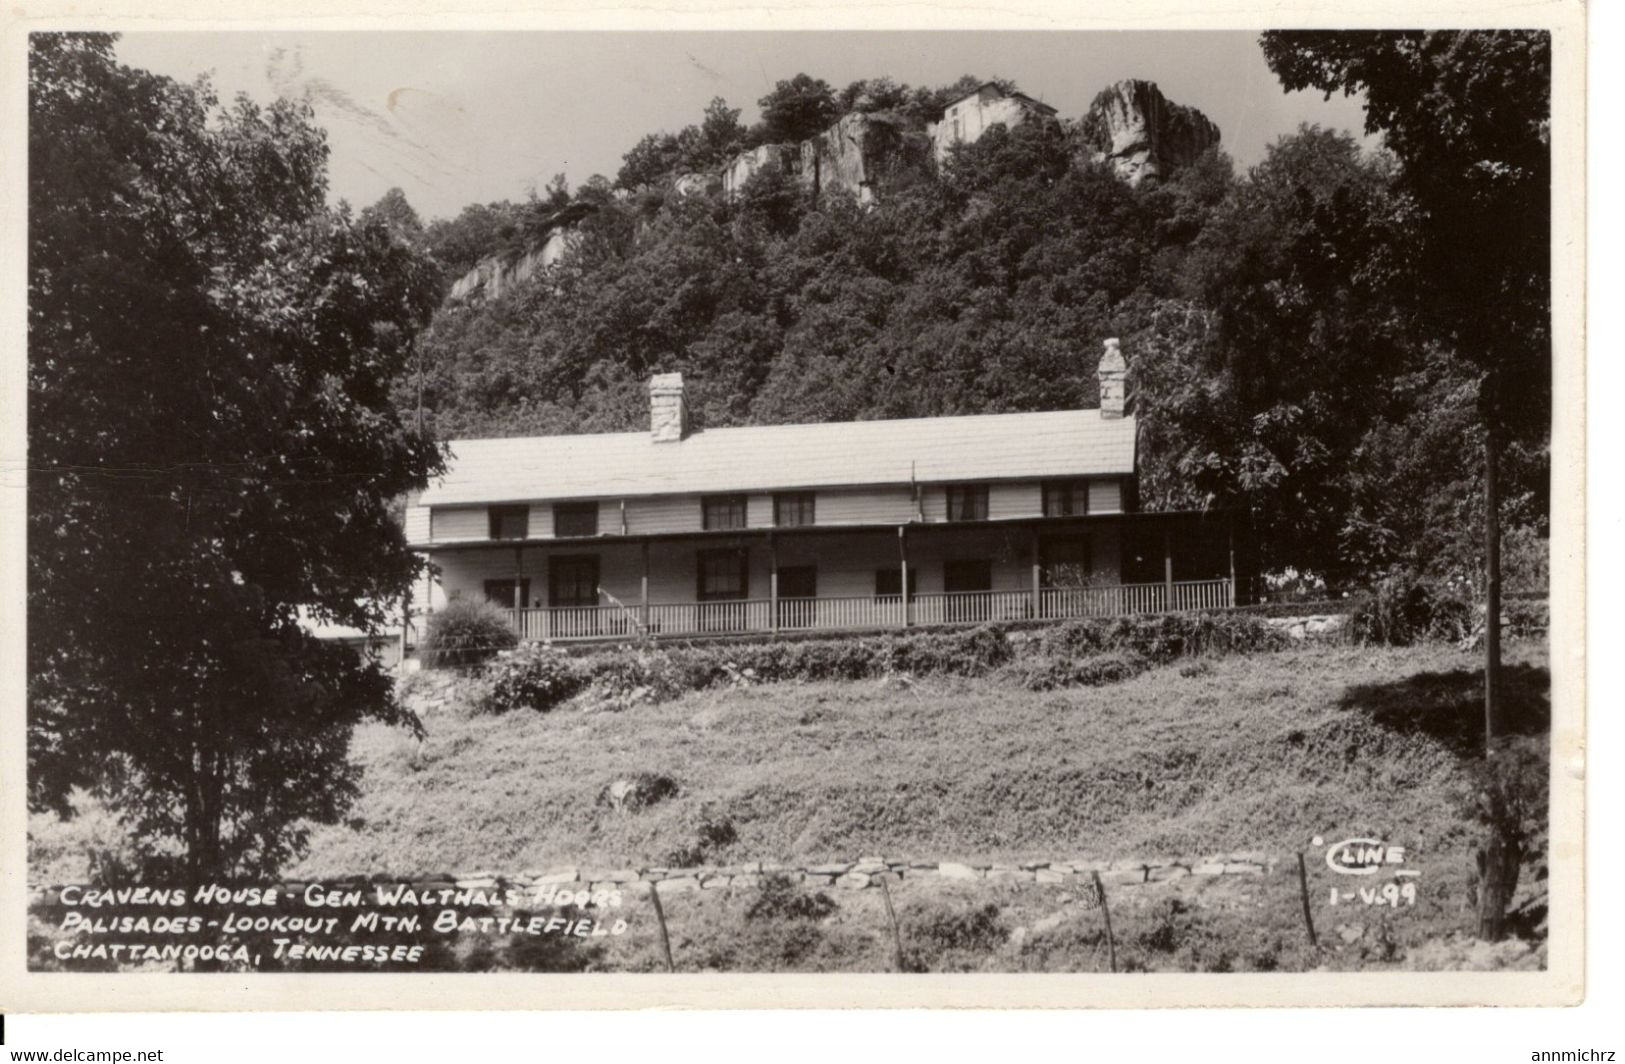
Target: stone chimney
<point x="668" y="418"/>
<point x="1113" y="375"/>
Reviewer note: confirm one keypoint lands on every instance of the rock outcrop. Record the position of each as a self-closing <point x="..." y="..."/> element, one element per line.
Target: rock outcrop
<point x="1142" y="134"/>
<point x="746" y="165"/>
<point x="495" y="275"/>
<point x="858" y="152"/>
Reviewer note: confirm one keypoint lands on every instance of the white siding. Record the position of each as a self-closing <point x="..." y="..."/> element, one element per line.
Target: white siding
<point x="758" y="511"/>
<point x="541" y="521"/>
<point x="1021" y="499"/>
<point x="665" y="513"/>
<point x="1105" y="496"/>
<point x="417" y="523"/>
<point x="874" y="506"/>
<point x="934" y="502"/>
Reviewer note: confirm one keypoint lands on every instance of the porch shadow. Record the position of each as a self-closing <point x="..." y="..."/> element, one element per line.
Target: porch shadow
<point x="1449" y="706"/>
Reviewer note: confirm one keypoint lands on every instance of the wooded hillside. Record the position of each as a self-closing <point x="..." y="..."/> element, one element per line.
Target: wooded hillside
<point x="1280" y="354"/>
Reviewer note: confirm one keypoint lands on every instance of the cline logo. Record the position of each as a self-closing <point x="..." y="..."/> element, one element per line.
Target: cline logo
<point x="1362" y="857"/>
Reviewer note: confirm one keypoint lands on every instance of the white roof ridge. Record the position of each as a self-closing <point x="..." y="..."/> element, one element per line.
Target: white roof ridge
<point x="700" y="432"/>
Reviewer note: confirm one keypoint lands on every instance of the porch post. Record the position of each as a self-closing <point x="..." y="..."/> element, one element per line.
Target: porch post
<point x="1167" y="567"/>
<point x="643" y="589"/>
<point x="1230" y="529"/>
<point x="518" y="590"/>
<point x="902" y="553"/>
<point x="773" y="582"/>
<point x="1038" y="594"/>
<point x="406" y="620"/>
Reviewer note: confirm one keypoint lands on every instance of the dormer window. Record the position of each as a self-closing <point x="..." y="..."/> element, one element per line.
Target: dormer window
<point x="509" y="522"/>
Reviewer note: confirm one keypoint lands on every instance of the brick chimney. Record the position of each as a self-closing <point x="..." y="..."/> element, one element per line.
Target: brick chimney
<point x="668" y="418"/>
<point x="1113" y="375"/>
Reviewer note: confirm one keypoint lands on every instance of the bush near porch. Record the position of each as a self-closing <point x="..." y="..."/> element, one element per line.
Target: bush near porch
<point x="1077" y="653"/>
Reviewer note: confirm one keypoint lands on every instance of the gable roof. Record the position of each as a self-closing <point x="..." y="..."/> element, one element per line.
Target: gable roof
<point x="1066" y="443"/>
<point x="1014" y="94"/>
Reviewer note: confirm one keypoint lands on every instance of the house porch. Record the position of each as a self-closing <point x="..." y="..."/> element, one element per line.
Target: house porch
<point x="830" y="578"/>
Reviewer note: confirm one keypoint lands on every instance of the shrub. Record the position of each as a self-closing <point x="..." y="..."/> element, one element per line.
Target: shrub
<point x="932" y="931"/>
<point x="714" y="834"/>
<point x="638" y="792"/>
<point x="1404" y="609"/>
<point x="780" y="899"/>
<point x="467" y="632"/>
<point x="972" y="653"/>
<point x="1163" y="637"/>
<point x="535" y="676"/>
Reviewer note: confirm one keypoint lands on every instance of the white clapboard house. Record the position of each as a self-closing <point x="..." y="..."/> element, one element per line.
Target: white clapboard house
<point x="851" y="525"/>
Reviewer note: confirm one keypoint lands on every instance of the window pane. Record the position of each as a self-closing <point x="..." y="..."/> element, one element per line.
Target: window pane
<point x="722" y="574"/>
<point x="574" y="581"/>
<point x="509" y="522"/>
<point x="724" y="511"/>
<point x="575" y="519"/>
<point x="967" y="502"/>
<point x="794" y="508"/>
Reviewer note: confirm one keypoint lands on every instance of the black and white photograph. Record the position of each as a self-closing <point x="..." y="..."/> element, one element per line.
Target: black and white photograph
<point x="869" y="503"/>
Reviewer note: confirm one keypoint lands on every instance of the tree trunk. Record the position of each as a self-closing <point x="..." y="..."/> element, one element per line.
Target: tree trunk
<point x="1499" y="858"/>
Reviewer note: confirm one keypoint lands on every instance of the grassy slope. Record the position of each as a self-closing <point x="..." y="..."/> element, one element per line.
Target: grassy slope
<point x="1258" y="752"/>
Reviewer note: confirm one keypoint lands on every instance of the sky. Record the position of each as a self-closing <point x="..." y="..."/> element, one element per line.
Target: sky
<point x="454" y="118"/>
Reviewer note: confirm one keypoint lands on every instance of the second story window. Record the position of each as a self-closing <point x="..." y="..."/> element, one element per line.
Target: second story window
<point x="793" y="508"/>
<point x="722" y="511"/>
<point x="509" y="522"/>
<point x="967" y="502"/>
<point x="575" y="519"/>
<point x="1066" y="498"/>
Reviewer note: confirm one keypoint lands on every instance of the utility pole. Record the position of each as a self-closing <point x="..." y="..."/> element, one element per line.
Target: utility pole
<point x="1502" y="854"/>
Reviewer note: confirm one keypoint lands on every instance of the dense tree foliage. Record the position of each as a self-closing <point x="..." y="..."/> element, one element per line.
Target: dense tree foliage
<point x="212" y="449"/>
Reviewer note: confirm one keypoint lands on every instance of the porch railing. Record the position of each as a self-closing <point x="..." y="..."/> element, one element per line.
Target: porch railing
<point x="867" y="612"/>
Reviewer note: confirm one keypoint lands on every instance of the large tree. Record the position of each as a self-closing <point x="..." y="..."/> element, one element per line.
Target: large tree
<point x="212" y="450"/>
<point x="1468" y="114"/>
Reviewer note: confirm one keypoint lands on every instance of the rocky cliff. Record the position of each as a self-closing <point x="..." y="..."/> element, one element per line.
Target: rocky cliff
<point x="860" y="151"/>
<point x="1142" y="134"/>
<point x="1130" y="124"/>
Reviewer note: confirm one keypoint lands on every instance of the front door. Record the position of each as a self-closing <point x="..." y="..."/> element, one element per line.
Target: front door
<point x="572" y="591"/>
<point x="961" y="579"/>
<point x="1065" y="569"/>
<point x="798" y="593"/>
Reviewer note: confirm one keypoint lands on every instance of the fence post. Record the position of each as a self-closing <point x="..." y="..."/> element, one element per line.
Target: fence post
<point x="1111" y="942"/>
<point x="891" y="914"/>
<point x="1303" y="891"/>
<point x="660" y="918"/>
